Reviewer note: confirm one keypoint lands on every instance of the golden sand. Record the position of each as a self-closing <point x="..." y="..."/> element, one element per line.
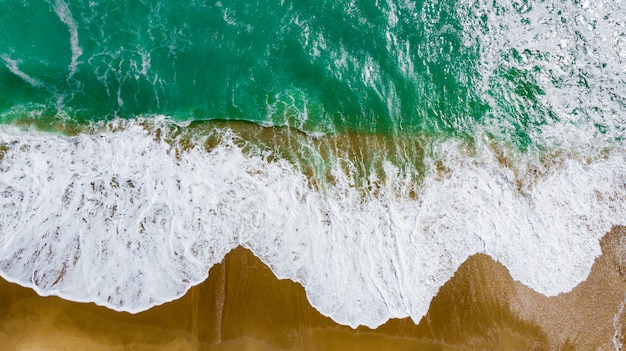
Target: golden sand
<point x="242" y="306"/>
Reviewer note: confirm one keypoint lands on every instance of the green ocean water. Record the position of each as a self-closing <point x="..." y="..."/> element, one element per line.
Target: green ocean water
<point x="319" y="66"/>
<point x="362" y="149"/>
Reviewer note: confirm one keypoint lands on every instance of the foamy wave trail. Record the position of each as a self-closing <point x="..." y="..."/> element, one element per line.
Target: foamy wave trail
<point x="398" y="139"/>
<point x="127" y="221"/>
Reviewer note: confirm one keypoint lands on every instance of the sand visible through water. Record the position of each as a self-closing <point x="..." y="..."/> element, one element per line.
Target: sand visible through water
<point x="366" y="151"/>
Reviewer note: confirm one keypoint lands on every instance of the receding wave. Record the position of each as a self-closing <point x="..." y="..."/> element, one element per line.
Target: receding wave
<point x="132" y="215"/>
<point x="391" y="141"/>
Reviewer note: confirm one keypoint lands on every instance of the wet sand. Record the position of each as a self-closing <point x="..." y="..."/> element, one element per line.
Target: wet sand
<point x="243" y="306"/>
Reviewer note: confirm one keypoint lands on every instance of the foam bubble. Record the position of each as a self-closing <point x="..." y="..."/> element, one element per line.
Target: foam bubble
<point x="129" y="221"/>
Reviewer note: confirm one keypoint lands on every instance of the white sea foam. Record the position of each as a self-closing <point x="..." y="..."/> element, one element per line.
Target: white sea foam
<point x="65" y="15"/>
<point x="122" y="219"/>
<point x="12" y="66"/>
<point x="570" y="52"/>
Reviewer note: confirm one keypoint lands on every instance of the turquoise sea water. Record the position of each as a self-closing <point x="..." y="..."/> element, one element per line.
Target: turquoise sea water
<point x="326" y="66"/>
<point x="388" y="139"/>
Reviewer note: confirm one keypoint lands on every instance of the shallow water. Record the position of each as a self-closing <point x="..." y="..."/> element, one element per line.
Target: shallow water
<point x="364" y="151"/>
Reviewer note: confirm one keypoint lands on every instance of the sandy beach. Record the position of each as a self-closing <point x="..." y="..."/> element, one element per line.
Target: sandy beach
<point x="243" y="306"/>
<point x="293" y="175"/>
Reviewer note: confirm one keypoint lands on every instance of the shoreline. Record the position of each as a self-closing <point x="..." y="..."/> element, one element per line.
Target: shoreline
<point x="242" y="305"/>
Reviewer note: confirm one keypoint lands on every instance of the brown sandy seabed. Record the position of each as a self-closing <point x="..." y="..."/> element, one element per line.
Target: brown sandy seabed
<point x="243" y="306"/>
